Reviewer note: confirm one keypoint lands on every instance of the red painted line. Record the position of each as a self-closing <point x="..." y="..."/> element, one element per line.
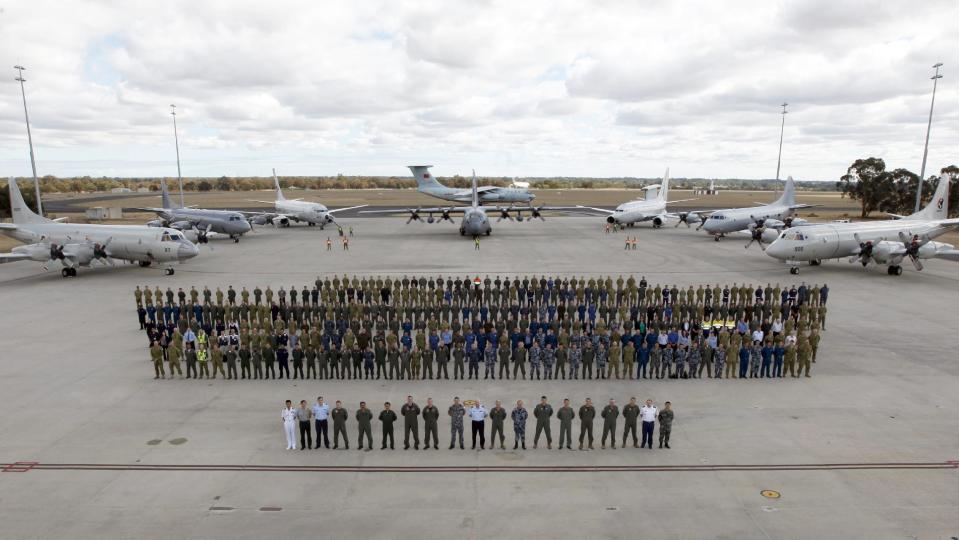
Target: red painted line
<point x="19" y="466"/>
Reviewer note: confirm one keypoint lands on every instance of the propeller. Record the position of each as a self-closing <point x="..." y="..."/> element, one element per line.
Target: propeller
<point x="756" y="231"/>
<point x="101" y="254"/>
<point x="414" y="216"/>
<point x="684" y="217"/>
<point x="865" y="253"/>
<point x="912" y="247"/>
<point x="504" y="214"/>
<point x="535" y="212"/>
<point x="702" y="221"/>
<point x="446" y="216"/>
<point x="56" y="252"/>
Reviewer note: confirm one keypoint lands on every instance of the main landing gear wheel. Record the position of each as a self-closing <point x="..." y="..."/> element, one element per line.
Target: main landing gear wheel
<point x="894" y="270"/>
<point x="144" y="264"/>
<point x="236" y="239"/>
<point x="815" y="262"/>
<point x="488" y="233"/>
<point x="68" y="272"/>
<point x="716" y="238"/>
<point x="170" y="271"/>
<point x="794" y="270"/>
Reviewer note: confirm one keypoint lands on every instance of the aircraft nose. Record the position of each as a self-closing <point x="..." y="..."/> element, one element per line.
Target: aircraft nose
<point x="532" y="196"/>
<point x="245" y="226"/>
<point x="776" y="250"/>
<point x="187" y="250"/>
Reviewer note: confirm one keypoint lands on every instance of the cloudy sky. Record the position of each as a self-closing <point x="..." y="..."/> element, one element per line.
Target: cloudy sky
<point x="532" y="88"/>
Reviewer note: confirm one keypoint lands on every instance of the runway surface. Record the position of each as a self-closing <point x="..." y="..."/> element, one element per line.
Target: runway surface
<point x="865" y="448"/>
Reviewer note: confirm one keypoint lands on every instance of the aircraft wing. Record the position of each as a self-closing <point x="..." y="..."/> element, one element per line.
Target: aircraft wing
<point x="13" y="257"/>
<point x="528" y="208"/>
<point x="802" y="206"/>
<point x="681" y="200"/>
<point x="267" y="202"/>
<point x="158" y="211"/>
<point x="345" y="209"/>
<point x="8" y="227"/>
<point x="948" y="254"/>
<point x="603" y="210"/>
<point x="448" y="209"/>
<point x="953" y="222"/>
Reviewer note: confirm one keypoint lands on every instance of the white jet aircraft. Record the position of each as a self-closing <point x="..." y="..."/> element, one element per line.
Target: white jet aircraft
<point x="298" y="210"/>
<point x="882" y="242"/>
<point x="80" y="244"/>
<point x="652" y="208"/>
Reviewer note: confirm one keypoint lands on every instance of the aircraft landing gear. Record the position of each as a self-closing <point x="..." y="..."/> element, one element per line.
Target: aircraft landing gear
<point x="815" y="262"/>
<point x="68" y="272"/>
<point x="144" y="264"/>
<point x="236" y="239"/>
<point x="488" y="232"/>
<point x="170" y="271"/>
<point x="716" y="238"/>
<point x="894" y="270"/>
<point x="794" y="270"/>
<point x="462" y="232"/>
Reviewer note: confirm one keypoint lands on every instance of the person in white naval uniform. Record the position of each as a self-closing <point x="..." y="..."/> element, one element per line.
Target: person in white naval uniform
<point x="289" y="425"/>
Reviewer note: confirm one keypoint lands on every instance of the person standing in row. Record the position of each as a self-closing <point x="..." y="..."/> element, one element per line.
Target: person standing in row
<point x="303" y="417"/>
<point x="519" y="416"/>
<point x="431" y="416"/>
<point x="630" y="414"/>
<point x="648" y="415"/>
<point x="610" y="414"/>
<point x="543" y="412"/>
<point x="566" y="416"/>
<point x="665" y="424"/>
<point x="289" y="425"/>
<point x="387" y="417"/>
<point x="364" y="421"/>
<point x="456" y="412"/>
<point x="478" y="417"/>
<point x="497" y="417"/>
<point x="321" y="413"/>
<point x="340" y="415"/>
<point x="411" y="416"/>
<point x="587" y="413"/>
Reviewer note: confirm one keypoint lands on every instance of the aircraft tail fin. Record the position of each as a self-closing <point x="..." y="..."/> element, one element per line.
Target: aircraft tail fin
<point x="276" y="183"/>
<point x="664" y="190"/>
<point x="475" y="190"/>
<point x="938" y="207"/>
<point x="166" y="201"/>
<point x="18" y="207"/>
<point x="423" y="177"/>
<point x="788" y="197"/>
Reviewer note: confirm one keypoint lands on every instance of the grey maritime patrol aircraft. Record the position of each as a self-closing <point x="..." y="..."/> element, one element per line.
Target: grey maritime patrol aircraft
<point x="203" y="220"/>
<point x="428" y="185"/>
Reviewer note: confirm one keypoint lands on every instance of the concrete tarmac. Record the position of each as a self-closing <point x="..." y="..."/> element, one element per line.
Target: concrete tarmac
<point x="863" y="449"/>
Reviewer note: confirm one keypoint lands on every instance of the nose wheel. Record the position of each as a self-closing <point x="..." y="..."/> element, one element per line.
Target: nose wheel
<point x="170" y="271"/>
<point x="794" y="270"/>
<point x="68" y="272"/>
<point x="894" y="270"/>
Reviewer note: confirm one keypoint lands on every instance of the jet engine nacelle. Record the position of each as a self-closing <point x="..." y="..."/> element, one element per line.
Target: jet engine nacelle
<point x="610" y="220"/>
<point x="281" y="221"/>
<point x="83" y="254"/>
<point x="693" y="217"/>
<point x="884" y="252"/>
<point x="657" y="221"/>
<point x="770" y="223"/>
<point x="181" y="225"/>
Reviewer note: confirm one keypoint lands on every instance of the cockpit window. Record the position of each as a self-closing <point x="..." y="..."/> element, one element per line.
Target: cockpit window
<point x="174" y="237"/>
<point x="165" y="237"/>
<point x="794" y="235"/>
<point x="234" y="218"/>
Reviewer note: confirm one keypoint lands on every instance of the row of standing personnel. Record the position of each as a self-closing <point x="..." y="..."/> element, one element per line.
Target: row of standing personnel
<point x="319" y="416"/>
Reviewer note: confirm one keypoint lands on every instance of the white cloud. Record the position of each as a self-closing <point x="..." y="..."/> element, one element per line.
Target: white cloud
<point x="607" y="88"/>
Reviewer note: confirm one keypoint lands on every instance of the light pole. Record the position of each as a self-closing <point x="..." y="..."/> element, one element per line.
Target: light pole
<point x="176" y="142"/>
<point x="925" y="151"/>
<point x="33" y="161"/>
<point x="782" y="130"/>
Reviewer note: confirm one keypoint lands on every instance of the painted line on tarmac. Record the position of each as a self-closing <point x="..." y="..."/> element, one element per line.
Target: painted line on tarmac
<point x="486" y="468"/>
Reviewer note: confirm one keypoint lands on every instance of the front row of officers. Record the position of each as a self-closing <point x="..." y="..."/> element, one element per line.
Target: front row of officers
<point x="317" y="418"/>
<point x="756" y="360"/>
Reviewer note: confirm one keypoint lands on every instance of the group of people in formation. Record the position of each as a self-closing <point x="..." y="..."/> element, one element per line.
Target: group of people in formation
<point x="539" y="327"/>
<point x="317" y="418"/>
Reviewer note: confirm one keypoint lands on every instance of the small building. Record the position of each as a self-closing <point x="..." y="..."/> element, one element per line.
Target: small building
<point x="121" y="190"/>
<point x="103" y="212"/>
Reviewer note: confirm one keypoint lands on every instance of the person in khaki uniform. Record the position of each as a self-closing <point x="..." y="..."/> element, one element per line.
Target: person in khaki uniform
<point x="497" y="417"/>
<point x="156" y="354"/>
<point x="565" y="414"/>
<point x="804" y="351"/>
<point x="630" y="414"/>
<point x="587" y="413"/>
<point x="216" y="356"/>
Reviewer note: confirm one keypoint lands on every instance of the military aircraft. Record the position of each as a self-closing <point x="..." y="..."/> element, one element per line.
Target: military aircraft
<point x="289" y="210"/>
<point x="773" y="216"/>
<point x="475" y="221"/>
<point x="75" y="245"/>
<point x="652" y="208"/>
<point x="886" y="242"/>
<point x="487" y="194"/>
<point x="202" y="220"/>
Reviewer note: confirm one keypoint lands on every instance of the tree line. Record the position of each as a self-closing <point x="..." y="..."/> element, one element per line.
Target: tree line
<point x="894" y="192"/>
